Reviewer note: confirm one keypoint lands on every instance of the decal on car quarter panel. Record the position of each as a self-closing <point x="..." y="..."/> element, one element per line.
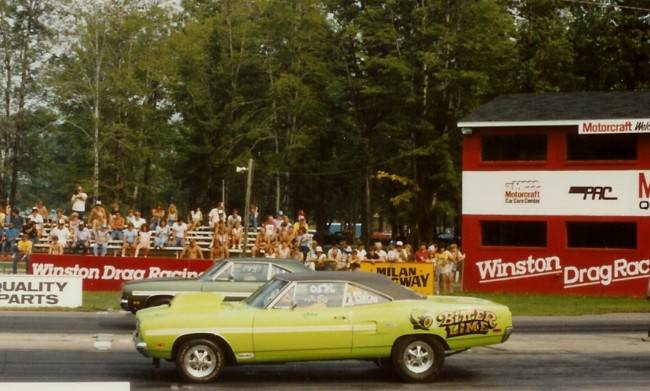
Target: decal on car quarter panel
<point x="422" y="322"/>
<point x="466" y="322"/>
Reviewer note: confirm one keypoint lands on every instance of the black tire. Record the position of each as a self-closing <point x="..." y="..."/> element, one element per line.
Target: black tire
<point x="425" y="365"/>
<point x="189" y="366"/>
<point x="156" y="301"/>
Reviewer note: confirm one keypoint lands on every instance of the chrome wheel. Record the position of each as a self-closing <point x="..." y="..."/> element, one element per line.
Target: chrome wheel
<point x="418" y="357"/>
<point x="200" y="361"/>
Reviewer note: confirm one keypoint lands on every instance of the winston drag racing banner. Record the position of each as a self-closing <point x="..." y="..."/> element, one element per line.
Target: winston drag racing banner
<point x="40" y="291"/>
<point x="108" y="273"/>
<point x="420" y="277"/>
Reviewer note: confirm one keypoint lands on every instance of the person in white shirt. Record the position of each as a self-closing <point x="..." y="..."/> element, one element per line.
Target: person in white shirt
<point x="397" y="253"/>
<point x="82" y="239"/>
<point x="138" y="221"/>
<point x="216" y="214"/>
<point x="361" y="252"/>
<point x="37" y="219"/>
<point x="61" y="232"/>
<point x="233" y="218"/>
<point x="144" y="241"/>
<point x="78" y="202"/>
<point x="380" y="252"/>
<point x="178" y="232"/>
<point x="197" y="218"/>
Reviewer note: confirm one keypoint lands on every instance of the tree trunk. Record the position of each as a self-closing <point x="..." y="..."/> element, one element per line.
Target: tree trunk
<point x="96" y="116"/>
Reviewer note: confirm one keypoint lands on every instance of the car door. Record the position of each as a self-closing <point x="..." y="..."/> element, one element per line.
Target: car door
<point x="308" y="321"/>
<point x="373" y="321"/>
<point x="237" y="280"/>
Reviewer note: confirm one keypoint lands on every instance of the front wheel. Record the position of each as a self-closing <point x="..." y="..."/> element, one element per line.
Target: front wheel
<point x="418" y="359"/>
<point x="200" y="360"/>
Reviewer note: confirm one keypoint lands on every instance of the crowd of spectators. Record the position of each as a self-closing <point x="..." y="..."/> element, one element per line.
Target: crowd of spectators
<point x="132" y="235"/>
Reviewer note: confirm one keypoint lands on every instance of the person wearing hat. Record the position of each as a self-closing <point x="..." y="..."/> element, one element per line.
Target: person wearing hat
<point x="97" y="216"/>
<point x="319" y="259"/>
<point x="61" y="233"/>
<point x="82" y="239"/>
<point x="312" y="256"/>
<point x="102" y="236"/>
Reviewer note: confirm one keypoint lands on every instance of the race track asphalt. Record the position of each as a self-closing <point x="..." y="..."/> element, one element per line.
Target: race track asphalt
<point x="597" y="352"/>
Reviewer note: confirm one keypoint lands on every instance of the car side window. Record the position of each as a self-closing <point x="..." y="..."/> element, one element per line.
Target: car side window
<point x="250" y="272"/>
<point x="355" y="295"/>
<point x="319" y="294"/>
<point x="287" y="300"/>
<point x="224" y="273"/>
<point x="277" y="270"/>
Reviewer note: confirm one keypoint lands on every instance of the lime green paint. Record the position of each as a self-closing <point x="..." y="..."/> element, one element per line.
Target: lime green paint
<point x="313" y="333"/>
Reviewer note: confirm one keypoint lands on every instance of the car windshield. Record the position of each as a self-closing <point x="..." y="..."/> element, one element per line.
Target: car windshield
<point x="265" y="294"/>
<point x="211" y="272"/>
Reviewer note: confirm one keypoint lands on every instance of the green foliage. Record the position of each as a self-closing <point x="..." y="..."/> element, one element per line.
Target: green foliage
<point x="323" y="94"/>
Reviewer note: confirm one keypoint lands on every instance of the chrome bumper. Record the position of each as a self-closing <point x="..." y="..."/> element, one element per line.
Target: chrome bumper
<point x="140" y="345"/>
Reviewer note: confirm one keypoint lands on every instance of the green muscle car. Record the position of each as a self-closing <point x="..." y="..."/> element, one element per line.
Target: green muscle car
<point x="319" y="316"/>
<point x="235" y="279"/>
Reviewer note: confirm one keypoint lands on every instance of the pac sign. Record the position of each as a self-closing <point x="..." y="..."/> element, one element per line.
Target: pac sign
<point x="596" y="192"/>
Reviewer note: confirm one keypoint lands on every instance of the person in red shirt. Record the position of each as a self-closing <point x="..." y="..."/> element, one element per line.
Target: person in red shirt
<point x="422" y="255"/>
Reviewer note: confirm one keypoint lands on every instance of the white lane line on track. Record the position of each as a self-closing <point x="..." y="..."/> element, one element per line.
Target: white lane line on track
<point x="67" y="342"/>
<point x="80" y="386"/>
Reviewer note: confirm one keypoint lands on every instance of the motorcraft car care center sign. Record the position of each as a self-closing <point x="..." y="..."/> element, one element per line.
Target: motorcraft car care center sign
<point x="109" y="273"/>
<point x="40" y="291"/>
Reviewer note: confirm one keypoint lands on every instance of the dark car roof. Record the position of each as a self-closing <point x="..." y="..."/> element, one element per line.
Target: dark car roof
<point x="375" y="281"/>
<point x="293" y="266"/>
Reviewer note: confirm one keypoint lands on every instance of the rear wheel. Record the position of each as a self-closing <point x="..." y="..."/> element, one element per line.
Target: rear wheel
<point x="418" y="359"/>
<point x="200" y="360"/>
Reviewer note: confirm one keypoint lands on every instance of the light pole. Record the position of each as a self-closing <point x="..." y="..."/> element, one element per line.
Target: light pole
<point x="247" y="206"/>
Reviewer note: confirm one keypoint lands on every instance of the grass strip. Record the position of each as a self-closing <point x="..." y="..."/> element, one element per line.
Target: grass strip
<point x="519" y="303"/>
<point x="535" y="304"/>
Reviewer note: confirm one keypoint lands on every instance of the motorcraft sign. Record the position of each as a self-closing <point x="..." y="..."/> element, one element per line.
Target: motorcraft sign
<point x="109" y="273"/>
<point x="557" y="193"/>
<point x="617" y="126"/>
<point x="40" y="291"/>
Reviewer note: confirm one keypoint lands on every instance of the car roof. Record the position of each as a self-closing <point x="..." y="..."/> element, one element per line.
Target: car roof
<point x="293" y="266"/>
<point x="374" y="281"/>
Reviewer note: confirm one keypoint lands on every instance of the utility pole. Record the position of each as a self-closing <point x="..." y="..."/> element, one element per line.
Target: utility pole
<point x="247" y="207"/>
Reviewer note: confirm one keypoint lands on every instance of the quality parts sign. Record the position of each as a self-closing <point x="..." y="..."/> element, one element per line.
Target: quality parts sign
<point x="549" y="269"/>
<point x="40" y="291"/>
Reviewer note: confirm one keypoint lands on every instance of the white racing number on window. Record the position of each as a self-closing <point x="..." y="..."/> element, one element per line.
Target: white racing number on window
<point x="250" y="272"/>
<point x="359" y="296"/>
<point x="328" y="294"/>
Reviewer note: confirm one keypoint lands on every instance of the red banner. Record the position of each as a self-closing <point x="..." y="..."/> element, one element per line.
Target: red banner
<point x="108" y="273"/>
